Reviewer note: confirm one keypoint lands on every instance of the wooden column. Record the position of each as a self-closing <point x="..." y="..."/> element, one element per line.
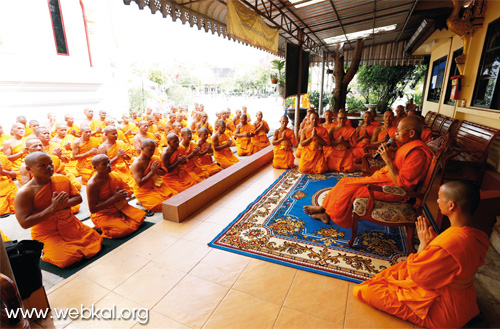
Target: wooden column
<point x="299" y="77"/>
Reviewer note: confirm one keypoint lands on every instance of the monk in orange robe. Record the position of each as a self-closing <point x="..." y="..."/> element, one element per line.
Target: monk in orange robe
<point x="107" y="195"/>
<point x="33" y="124"/>
<point x="221" y="143"/>
<point x="229" y="122"/>
<point x="283" y="141"/>
<point x="129" y="129"/>
<point x="244" y="110"/>
<point x="84" y="148"/>
<point x="313" y="139"/>
<point x="192" y="151"/>
<point x="384" y="132"/>
<point x="174" y="159"/>
<point x="204" y="124"/>
<point x="143" y="134"/>
<point x="94" y="124"/>
<point x="169" y="125"/>
<point x="65" y="142"/>
<point x="119" y="153"/>
<point x="44" y="204"/>
<point x="73" y="129"/>
<point x="149" y="188"/>
<point x="244" y="133"/>
<point x="407" y="170"/>
<point x="426" y="133"/>
<point x="3" y="137"/>
<point x="14" y="148"/>
<point x="338" y="154"/>
<point x="400" y="114"/>
<point x="329" y="122"/>
<point x="303" y="125"/>
<point x="206" y="150"/>
<point x="434" y="288"/>
<point x="8" y="189"/>
<point x="236" y="118"/>
<point x="260" y="140"/>
<point x="364" y="135"/>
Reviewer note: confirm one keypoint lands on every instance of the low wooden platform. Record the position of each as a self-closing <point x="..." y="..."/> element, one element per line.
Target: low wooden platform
<point x="182" y="205"/>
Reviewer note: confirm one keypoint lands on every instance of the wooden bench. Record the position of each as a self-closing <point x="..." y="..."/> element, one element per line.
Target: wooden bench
<point x="429" y="119"/>
<point x="180" y="206"/>
<point x="467" y="156"/>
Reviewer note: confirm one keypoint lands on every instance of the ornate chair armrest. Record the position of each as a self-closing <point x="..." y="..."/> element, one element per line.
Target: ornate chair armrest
<point x="394" y="190"/>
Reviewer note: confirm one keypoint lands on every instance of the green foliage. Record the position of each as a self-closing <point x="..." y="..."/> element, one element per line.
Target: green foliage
<point x="417" y="98"/>
<point x="384" y="84"/>
<point x="314" y="99"/>
<point x="279" y="65"/>
<point x="139" y="98"/>
<point x="156" y="76"/>
<point x="354" y="104"/>
<point x="180" y="95"/>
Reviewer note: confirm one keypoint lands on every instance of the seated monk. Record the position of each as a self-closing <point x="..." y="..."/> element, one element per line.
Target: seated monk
<point x="65" y="142"/>
<point x="153" y="128"/>
<point x="107" y="195"/>
<point x="3" y="138"/>
<point x="8" y="189"/>
<point x="94" y="124"/>
<point x="119" y="153"/>
<point x="84" y="148"/>
<point x="149" y="188"/>
<point x="329" y="122"/>
<point x="304" y="124"/>
<point x="176" y="129"/>
<point x="222" y="142"/>
<point x="229" y="121"/>
<point x="22" y="120"/>
<point x="236" y="118"/>
<point x="43" y="134"/>
<point x="244" y="111"/>
<point x="384" y="132"/>
<point x="174" y="158"/>
<point x="194" y="124"/>
<point x="338" y="154"/>
<point x="260" y="140"/>
<point x="400" y="114"/>
<point x="434" y="288"/>
<point x="205" y="124"/>
<point x="73" y="129"/>
<point x="129" y="129"/>
<point x="14" y="149"/>
<point x="426" y="133"/>
<point x="192" y="151"/>
<point x="373" y="113"/>
<point x="283" y="141"/>
<point x="135" y="117"/>
<point x="364" y="134"/>
<point x="244" y="133"/>
<point x="44" y="204"/>
<point x="406" y="170"/>
<point x="180" y="118"/>
<point x="169" y="125"/>
<point x="313" y="139"/>
<point x="141" y="135"/>
<point x="33" y="124"/>
<point x="206" y="151"/>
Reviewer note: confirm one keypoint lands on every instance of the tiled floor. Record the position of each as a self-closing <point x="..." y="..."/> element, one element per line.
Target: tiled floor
<point x="171" y="271"/>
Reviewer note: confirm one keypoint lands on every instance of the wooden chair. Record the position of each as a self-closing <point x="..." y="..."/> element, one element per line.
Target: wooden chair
<point x="467" y="156"/>
<point x="397" y="213"/>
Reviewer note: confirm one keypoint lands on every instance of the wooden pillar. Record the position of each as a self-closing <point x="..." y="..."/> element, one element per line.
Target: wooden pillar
<point x="299" y="77"/>
<point x="320" y="109"/>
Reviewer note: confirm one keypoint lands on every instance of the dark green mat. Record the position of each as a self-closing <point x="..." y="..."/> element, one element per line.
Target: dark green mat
<point x="107" y="246"/>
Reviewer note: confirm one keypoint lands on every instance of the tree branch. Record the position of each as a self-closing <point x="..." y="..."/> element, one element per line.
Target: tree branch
<point x="358" y="51"/>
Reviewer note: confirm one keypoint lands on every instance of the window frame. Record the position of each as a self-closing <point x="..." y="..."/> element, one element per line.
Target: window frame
<point x="437" y="62"/>
<point x="496" y="90"/>
<point x="453" y="72"/>
<point x="62" y="26"/>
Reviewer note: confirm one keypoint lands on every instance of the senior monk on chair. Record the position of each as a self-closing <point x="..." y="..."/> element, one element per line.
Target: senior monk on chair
<point x="107" y="196"/>
<point x="149" y="188"/>
<point x="44" y="204"/>
<point x="406" y="169"/>
<point x="434" y="288"/>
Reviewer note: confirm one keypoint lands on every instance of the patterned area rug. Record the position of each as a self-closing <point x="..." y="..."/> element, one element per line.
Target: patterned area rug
<point x="275" y="228"/>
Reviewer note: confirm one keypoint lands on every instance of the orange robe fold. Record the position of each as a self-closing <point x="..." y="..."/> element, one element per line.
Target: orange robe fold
<point x="339" y="157"/>
<point x="426" y="135"/>
<point x="225" y="157"/>
<point x="8" y="189"/>
<point x="119" y="219"/>
<point x="412" y="161"/>
<point x="84" y="166"/>
<point x="193" y="166"/>
<point x="130" y="137"/>
<point x="66" y="239"/>
<point x="16" y="164"/>
<point x="71" y="164"/>
<point x="312" y="159"/>
<point x="283" y="152"/>
<point x="359" y="151"/>
<point x="385" y="135"/>
<point x="121" y="166"/>
<point x="49" y="149"/>
<point x="244" y="145"/>
<point x="260" y="140"/>
<point x="3" y="138"/>
<point x="179" y="178"/>
<point x="4" y="237"/>
<point x="154" y="191"/>
<point x="94" y="125"/>
<point x="207" y="163"/>
<point x="433" y="288"/>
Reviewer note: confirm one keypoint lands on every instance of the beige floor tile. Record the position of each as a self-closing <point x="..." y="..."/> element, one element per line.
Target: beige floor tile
<point x="62" y="283"/>
<point x="113" y="311"/>
<point x="223" y="216"/>
<point x="183" y="255"/>
<point x="149" y="284"/>
<point x="291" y="319"/>
<point x="266" y="280"/>
<point x="150" y="244"/>
<point x="77" y="292"/>
<point x="310" y="293"/>
<point x="202" y="213"/>
<point x="116" y="269"/>
<point x="221" y="267"/>
<point x="158" y="321"/>
<point x="361" y="315"/>
<point x="191" y="301"/>
<point x="204" y="233"/>
<point x="239" y="310"/>
<point x="177" y="230"/>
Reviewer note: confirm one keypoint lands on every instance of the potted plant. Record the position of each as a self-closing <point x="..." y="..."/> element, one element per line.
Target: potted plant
<point x="274" y="78"/>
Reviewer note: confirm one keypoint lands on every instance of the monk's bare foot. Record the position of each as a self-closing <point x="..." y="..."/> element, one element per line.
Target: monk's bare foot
<point x="322" y="217"/>
<point x="311" y="210"/>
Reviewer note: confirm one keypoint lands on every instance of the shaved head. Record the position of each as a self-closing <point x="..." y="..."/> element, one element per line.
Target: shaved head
<point x="98" y="158"/>
<point x="147" y="141"/>
<point x="32" y="158"/>
<point x="185" y="131"/>
<point x="171" y="137"/>
<point x="202" y="131"/>
<point x="31" y="141"/>
<point x="464" y="193"/>
<point x="413" y="123"/>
